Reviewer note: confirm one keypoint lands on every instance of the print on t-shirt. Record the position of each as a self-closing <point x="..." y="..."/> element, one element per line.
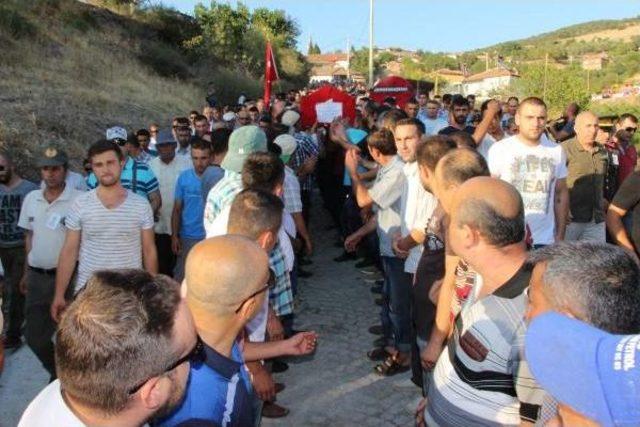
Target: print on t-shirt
<point x="534" y="176"/>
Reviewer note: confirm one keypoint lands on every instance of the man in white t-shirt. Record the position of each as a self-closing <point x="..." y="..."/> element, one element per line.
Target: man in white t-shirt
<point x="121" y="354"/>
<point x="109" y="227"/>
<point x="537" y="168"/>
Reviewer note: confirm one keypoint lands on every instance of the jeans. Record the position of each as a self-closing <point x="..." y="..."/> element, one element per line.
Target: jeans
<point x="586" y="231"/>
<point x="13" y="300"/>
<point x="187" y="244"/>
<point x="396" y="306"/>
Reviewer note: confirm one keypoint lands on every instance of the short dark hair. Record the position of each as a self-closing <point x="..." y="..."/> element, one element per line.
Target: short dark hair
<point x="471" y="96"/>
<point x="513" y="98"/>
<point x="626" y="116"/>
<point x="497" y="229"/>
<point x="194" y="112"/>
<point x="532" y="100"/>
<point x="220" y="140"/>
<point x="446" y="97"/>
<point x="383" y="141"/>
<point x="115" y="335"/>
<point x="463" y="140"/>
<point x="459" y="101"/>
<point x="411" y="122"/>
<point x="102" y="146"/>
<point x="253" y="109"/>
<point x="598" y="282"/>
<point x="200" y="144"/>
<point x="254" y="212"/>
<point x="184" y="122"/>
<point x="200" y="118"/>
<point x="262" y="171"/>
<point x="143" y="132"/>
<point x="390" y="118"/>
<point x="462" y="164"/>
<point x="412" y="100"/>
<point x="432" y="149"/>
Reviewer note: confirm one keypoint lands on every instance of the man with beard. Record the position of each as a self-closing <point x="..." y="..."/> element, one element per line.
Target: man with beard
<point x="122" y="354"/>
<point x="108" y="227"/>
<point x="43" y="219"/>
<point x="458" y="117"/>
<point x="13" y="190"/>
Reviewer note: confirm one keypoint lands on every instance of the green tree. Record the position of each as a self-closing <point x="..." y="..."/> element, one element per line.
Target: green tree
<point x="276" y="26"/>
<point x="223" y="29"/>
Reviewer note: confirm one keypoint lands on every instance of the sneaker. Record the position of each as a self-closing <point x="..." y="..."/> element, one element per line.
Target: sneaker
<point x="375" y="329"/>
<point x="273" y="410"/>
<point x="374" y="279"/>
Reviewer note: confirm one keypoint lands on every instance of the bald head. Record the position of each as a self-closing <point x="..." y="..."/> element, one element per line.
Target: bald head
<point x="492" y="207"/>
<point x="461" y="164"/>
<point x="217" y="274"/>
<point x="586" y="127"/>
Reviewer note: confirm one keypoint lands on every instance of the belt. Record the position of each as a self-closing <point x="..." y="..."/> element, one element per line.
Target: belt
<point x="48" y="272"/>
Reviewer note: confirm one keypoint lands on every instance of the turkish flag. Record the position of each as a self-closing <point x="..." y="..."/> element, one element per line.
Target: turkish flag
<point x="270" y="73"/>
<point x="324" y="94"/>
<point x="395" y="87"/>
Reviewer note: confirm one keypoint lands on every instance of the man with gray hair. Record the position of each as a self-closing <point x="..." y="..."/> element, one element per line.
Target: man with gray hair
<point x="596" y="283"/>
<point x="587" y="165"/>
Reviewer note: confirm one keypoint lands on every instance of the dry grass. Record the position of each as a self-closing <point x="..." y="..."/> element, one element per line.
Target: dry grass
<point x="70" y="82"/>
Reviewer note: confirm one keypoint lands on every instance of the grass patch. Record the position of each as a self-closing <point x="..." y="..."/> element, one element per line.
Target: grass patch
<point x="14" y="23"/>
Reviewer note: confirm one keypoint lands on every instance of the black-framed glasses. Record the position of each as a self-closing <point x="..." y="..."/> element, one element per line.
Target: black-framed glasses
<point x="194" y="354"/>
<point x="120" y="142"/>
<point x="631" y="129"/>
<point x="270" y="284"/>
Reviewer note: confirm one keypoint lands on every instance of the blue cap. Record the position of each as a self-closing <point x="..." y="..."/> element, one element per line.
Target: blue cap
<point x="595" y="373"/>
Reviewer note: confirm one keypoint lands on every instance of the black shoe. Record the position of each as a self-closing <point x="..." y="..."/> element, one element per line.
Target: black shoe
<point x="379" y="302"/>
<point x="364" y="263"/>
<point x="303" y="274"/>
<point x="279" y="366"/>
<point x="376" y="290"/>
<point x="375" y="329"/>
<point x="12" y="343"/>
<point x="346" y="256"/>
<point x="380" y="342"/>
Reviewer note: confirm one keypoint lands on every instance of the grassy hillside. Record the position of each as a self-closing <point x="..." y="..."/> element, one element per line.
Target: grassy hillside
<point x="69" y="70"/>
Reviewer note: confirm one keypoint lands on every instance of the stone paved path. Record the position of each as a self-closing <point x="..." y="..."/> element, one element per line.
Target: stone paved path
<point x="336" y="386"/>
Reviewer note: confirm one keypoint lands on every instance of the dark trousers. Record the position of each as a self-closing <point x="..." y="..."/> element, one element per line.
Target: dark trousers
<point x="39" y="326"/>
<point x="13" y="300"/>
<point x="166" y="257"/>
<point x="305" y="196"/>
<point x="396" y="304"/>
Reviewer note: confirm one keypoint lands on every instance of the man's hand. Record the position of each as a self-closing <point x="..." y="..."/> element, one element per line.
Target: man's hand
<point x="351" y="160"/>
<point x="351" y="242"/>
<point x="263" y="383"/>
<point x="420" y="413"/>
<point x="493" y="108"/>
<point x="22" y="285"/>
<point x="301" y="344"/>
<point x="274" y="328"/>
<point x="176" y="246"/>
<point x="58" y="305"/>
<point x="430" y="354"/>
<point x="396" y="249"/>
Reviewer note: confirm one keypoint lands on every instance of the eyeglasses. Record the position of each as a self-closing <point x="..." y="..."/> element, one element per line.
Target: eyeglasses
<point x="270" y="284"/>
<point x="195" y="354"/>
<point x="631" y="129"/>
<point x="120" y="142"/>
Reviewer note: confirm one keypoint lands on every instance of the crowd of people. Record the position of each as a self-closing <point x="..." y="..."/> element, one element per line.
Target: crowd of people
<point x="159" y="285"/>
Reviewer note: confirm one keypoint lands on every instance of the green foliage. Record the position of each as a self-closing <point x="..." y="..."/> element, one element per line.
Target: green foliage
<point x="165" y="60"/>
<point x="172" y="26"/>
<point x="313" y="49"/>
<point x="360" y="61"/>
<point x="223" y="29"/>
<point x="13" y="23"/>
<point x="276" y="26"/>
<point x="563" y="86"/>
<point x="79" y="19"/>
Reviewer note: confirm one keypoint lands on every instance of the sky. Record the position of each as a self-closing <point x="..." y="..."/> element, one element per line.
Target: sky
<point x="437" y="26"/>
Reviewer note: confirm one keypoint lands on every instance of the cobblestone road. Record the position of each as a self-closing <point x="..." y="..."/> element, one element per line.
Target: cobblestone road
<point x="336" y="386"/>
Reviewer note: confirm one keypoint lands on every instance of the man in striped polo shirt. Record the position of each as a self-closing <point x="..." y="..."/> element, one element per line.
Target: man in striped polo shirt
<point x="109" y="227"/>
<point x="481" y="378"/>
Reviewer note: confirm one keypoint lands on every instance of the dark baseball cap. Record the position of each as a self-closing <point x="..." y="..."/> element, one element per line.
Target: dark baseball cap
<point x="52" y="156"/>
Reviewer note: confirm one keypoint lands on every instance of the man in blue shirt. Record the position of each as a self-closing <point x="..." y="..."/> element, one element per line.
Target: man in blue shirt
<point x="187" y="227"/>
<point x="136" y="177"/>
<point x="222" y="301"/>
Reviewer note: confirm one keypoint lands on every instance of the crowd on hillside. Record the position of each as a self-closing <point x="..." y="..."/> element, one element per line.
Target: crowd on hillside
<point x="159" y="284"/>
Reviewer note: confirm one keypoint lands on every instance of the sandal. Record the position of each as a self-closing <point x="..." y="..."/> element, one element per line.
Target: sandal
<point x="377" y="354"/>
<point x="390" y="367"/>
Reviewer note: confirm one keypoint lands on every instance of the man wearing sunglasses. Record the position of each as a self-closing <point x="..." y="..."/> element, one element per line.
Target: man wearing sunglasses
<point x="227" y="279"/>
<point x="122" y="354"/>
<point x="624" y="153"/>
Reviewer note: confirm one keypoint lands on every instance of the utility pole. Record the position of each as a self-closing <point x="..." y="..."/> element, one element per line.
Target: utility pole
<point x="348" y="57"/>
<point x="546" y="67"/>
<point x="589" y="82"/>
<point x="371" y="43"/>
<point x="486" y="61"/>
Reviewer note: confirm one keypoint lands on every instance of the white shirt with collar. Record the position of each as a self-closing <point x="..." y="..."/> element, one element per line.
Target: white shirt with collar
<point x="167" y="175"/>
<point x="47" y="223"/>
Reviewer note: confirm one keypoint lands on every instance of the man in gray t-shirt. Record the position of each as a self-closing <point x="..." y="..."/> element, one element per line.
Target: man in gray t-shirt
<point x="13" y="190"/>
<point x="384" y="197"/>
<point x="107" y="228"/>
